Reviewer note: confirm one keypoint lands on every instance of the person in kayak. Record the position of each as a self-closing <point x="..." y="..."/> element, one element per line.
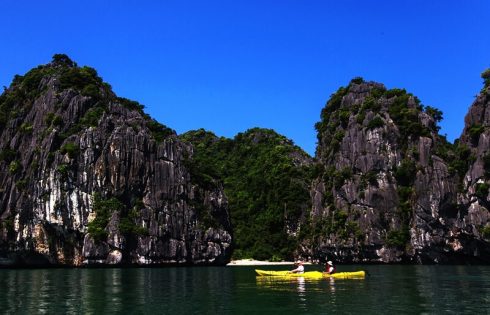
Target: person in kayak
<point x="300" y="268"/>
<point x="330" y="267"/>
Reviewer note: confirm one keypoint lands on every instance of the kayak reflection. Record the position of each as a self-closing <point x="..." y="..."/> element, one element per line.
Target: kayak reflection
<point x="301" y="285"/>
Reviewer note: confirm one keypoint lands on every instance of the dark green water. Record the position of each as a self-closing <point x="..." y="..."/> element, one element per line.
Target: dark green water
<point x="236" y="290"/>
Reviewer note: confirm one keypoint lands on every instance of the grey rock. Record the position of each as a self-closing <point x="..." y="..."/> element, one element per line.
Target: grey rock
<point x="47" y="202"/>
<point x="359" y="198"/>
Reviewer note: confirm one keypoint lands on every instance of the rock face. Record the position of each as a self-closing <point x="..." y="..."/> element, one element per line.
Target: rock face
<point x="87" y="177"/>
<point x="267" y="182"/>
<point x="391" y="189"/>
<point x="474" y="196"/>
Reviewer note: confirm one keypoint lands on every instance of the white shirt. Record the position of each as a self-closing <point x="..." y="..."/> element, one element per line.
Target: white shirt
<point x="300" y="269"/>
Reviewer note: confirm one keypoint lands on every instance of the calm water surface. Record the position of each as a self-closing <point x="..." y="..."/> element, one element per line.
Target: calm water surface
<point x="236" y="290"/>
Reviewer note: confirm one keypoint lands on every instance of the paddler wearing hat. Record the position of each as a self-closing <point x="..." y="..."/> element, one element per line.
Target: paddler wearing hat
<point x="330" y="267"/>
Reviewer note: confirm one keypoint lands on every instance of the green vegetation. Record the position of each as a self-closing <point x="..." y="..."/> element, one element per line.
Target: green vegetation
<point x="457" y="155"/>
<point x="405" y="172"/>
<point x="474" y="132"/>
<point x="63" y="60"/>
<point x="26" y="128"/>
<point x="84" y="80"/>
<point x="267" y="188"/>
<point x="376" y="122"/>
<point x="103" y="209"/>
<point x="435" y="113"/>
<point x="341" y="176"/>
<point x="370" y="103"/>
<point x="360" y="117"/>
<point x="481" y="190"/>
<point x="131" y="105"/>
<point x="485" y="75"/>
<point x="71" y="149"/>
<point x="405" y="175"/>
<point x="338" y="222"/>
<point x="63" y="169"/>
<point x="332" y="105"/>
<point x="20" y="96"/>
<point x="53" y="120"/>
<point x="21" y="184"/>
<point x="357" y="80"/>
<point x="93" y="116"/>
<point x="128" y="226"/>
<point x="344" y="116"/>
<point x="158" y="131"/>
<point x="370" y="177"/>
<point x="486" y="232"/>
<point x="14" y="167"/>
<point x="398" y="238"/>
<point x="406" y="118"/>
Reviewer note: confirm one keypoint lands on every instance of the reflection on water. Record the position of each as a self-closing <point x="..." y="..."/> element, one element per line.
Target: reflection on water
<point x="291" y="284"/>
<point x="236" y="290"/>
<point x="114" y="291"/>
<point x="302" y="303"/>
<point x="301" y="285"/>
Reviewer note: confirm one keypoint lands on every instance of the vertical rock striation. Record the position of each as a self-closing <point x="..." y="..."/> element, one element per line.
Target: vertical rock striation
<point x="390" y="187"/>
<point x="87" y="177"/>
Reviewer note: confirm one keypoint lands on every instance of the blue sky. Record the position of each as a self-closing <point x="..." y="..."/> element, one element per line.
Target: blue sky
<point x="227" y="66"/>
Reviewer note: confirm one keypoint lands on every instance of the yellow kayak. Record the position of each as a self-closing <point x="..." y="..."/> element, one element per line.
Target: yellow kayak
<point x="312" y="274"/>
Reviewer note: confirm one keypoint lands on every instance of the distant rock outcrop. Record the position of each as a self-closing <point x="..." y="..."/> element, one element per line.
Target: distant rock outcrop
<point x="87" y="177"/>
<point x="392" y="189"/>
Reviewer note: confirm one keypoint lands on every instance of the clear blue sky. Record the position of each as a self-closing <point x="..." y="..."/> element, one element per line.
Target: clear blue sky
<point x="227" y="66"/>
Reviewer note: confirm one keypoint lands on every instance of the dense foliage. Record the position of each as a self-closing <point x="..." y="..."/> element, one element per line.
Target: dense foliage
<point x="104" y="208"/>
<point x="266" y="179"/>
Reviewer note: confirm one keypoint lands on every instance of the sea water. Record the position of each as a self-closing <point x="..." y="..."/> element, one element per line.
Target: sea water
<point x="236" y="290"/>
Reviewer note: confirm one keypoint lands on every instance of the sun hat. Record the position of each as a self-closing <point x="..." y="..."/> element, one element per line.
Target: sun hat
<point x="330" y="262"/>
<point x="299" y="262"/>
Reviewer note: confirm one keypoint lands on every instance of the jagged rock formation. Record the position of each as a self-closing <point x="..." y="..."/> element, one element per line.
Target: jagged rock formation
<point x="474" y="197"/>
<point x="390" y="187"/>
<point x="266" y="179"/>
<point x="86" y="177"/>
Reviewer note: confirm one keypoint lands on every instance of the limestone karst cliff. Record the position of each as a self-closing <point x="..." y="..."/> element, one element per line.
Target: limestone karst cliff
<point x="391" y="188"/>
<point x="87" y="177"/>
